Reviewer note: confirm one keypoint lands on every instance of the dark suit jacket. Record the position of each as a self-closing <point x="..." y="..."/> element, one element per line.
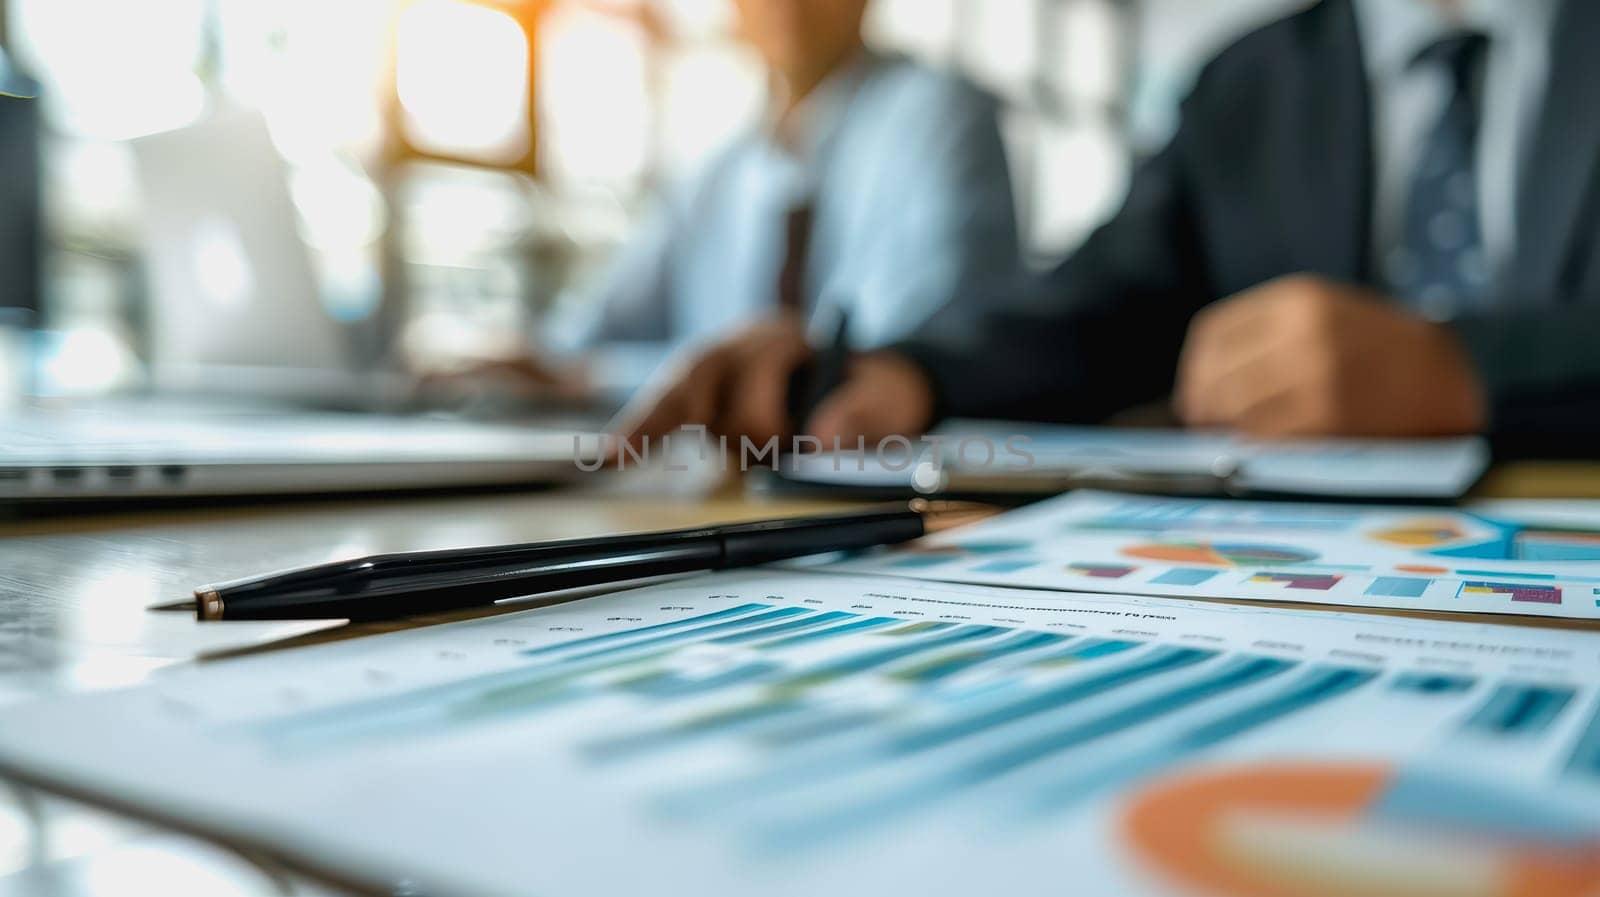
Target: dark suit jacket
<point x="1270" y="173"/>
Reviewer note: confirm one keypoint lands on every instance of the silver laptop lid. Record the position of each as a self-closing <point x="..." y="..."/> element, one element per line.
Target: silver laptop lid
<point x="231" y="283"/>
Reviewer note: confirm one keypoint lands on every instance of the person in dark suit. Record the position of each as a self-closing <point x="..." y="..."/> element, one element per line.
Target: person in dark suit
<point x="1377" y="217"/>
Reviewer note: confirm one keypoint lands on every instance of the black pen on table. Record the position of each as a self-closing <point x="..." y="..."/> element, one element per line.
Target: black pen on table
<point x="399" y="585"/>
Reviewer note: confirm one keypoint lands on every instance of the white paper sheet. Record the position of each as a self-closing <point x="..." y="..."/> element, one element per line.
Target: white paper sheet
<point x="805" y="734"/>
<point x="1432" y="559"/>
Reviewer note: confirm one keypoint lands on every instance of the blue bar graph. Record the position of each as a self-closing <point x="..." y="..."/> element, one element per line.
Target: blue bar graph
<point x="1516" y="709"/>
<point x="1185" y="576"/>
<point x="662" y="684"/>
<point x="1398" y="587"/>
<point x="1238" y="672"/>
<point x="1164" y="659"/>
<point x="1433" y="683"/>
<point x="1319" y="686"/>
<point x="1089" y="649"/>
<point x="1585" y="761"/>
<point x="826" y="701"/>
<point x="950" y="664"/>
<point x="923" y="561"/>
<point x="688" y="635"/>
<point x="1004" y="566"/>
<point x="859" y="626"/>
<point x="1315" y="687"/>
<point x="859" y="663"/>
<point x="522" y="689"/>
<point x="674" y="626"/>
<point x="993" y="704"/>
<point x="805" y="623"/>
<point x="786" y="694"/>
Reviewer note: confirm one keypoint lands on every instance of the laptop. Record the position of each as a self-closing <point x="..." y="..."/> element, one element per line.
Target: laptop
<point x="235" y="306"/>
<point x="242" y="348"/>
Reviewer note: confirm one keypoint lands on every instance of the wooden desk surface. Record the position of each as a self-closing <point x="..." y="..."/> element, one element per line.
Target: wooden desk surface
<point x="74" y="591"/>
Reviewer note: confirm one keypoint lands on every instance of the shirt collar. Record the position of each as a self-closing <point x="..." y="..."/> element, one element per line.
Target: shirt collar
<point x="1393" y="32"/>
<point x="815" y="120"/>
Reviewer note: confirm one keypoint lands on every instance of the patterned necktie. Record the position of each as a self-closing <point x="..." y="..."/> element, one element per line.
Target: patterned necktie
<point x="1441" y="266"/>
<point x="796" y="256"/>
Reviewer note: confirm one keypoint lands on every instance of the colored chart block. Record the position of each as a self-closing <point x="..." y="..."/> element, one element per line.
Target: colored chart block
<point x="1585" y="761"/>
<point x="1516" y="591"/>
<point x="1004" y="566"/>
<point x="1516" y="709"/>
<point x="1423" y="534"/>
<point x="1499" y="574"/>
<point x="1100" y="571"/>
<point x="991" y="547"/>
<point x="922" y="561"/>
<point x="1221" y="554"/>
<point x="1538" y="545"/>
<point x="1433" y="683"/>
<point x="1398" y="587"/>
<point x="1184" y="576"/>
<point x="1313" y="582"/>
<point x="933" y="556"/>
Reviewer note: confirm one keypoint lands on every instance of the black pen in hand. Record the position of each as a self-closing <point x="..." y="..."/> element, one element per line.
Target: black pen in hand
<point x="825" y="372"/>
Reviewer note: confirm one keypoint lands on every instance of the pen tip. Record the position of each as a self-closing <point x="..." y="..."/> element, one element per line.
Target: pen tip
<point x="208" y="604"/>
<point x="938" y="516"/>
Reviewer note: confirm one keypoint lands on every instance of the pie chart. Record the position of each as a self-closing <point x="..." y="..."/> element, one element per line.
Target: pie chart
<point x="1423" y="534"/>
<point x="1221" y="554"/>
<point x="1359" y="831"/>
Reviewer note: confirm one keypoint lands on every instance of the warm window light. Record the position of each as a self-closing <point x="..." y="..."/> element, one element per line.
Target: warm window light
<point x="1001" y="46"/>
<point x="712" y="95"/>
<point x="923" y="28"/>
<point x="86" y="361"/>
<point x="462" y="77"/>
<point x="113" y="69"/>
<point x="594" y="97"/>
<point x="318" y="70"/>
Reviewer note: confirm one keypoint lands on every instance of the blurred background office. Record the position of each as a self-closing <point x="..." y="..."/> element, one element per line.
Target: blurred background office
<point x="463" y="172"/>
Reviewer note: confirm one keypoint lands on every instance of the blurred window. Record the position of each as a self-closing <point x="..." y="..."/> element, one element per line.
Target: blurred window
<point x="606" y="101"/>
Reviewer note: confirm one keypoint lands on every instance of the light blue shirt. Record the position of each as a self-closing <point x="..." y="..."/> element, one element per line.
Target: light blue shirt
<point x="913" y="203"/>
<point x="1408" y="101"/>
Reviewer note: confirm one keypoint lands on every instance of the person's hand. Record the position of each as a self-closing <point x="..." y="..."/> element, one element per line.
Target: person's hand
<point x="1305" y="356"/>
<point x="884" y="394"/>
<point x="522" y="375"/>
<point x="740" y="387"/>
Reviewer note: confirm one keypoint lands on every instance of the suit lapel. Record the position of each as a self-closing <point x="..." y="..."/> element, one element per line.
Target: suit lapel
<point x="1565" y="156"/>
<point x="1326" y="137"/>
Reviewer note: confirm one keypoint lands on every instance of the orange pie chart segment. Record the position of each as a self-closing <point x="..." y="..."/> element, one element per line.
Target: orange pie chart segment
<point x="1221" y="554"/>
<point x="1319" y="831"/>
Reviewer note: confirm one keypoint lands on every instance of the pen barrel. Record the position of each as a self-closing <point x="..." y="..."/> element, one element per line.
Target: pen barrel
<point x="562" y="567"/>
<point x="745" y="548"/>
<point x="391" y="586"/>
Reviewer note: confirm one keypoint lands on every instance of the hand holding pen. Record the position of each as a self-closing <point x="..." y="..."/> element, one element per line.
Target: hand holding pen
<point x="772" y="381"/>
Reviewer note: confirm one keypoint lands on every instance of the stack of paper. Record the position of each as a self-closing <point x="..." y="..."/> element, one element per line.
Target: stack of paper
<point x="818" y="733"/>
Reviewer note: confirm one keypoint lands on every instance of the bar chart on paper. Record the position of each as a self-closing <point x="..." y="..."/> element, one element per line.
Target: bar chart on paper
<point x="817" y="733"/>
<point x="1400" y="558"/>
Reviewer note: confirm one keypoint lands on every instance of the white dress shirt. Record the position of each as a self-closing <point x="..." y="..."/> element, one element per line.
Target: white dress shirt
<point x="912" y="196"/>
